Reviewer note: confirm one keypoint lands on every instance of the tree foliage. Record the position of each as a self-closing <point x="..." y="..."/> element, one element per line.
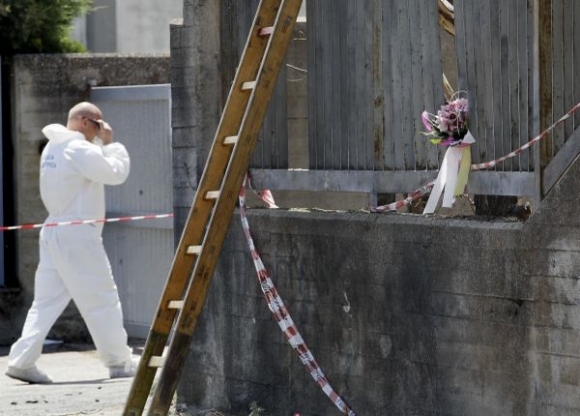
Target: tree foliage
<point x="39" y="26"/>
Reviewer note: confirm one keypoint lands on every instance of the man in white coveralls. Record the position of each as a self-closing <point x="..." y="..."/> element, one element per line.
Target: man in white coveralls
<point x="73" y="263"/>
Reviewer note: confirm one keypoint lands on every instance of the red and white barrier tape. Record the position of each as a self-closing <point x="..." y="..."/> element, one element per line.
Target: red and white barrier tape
<point x="280" y="312"/>
<point x="265" y="194"/>
<point x="487" y="165"/>
<point x="394" y="206"/>
<point x="81" y="222"/>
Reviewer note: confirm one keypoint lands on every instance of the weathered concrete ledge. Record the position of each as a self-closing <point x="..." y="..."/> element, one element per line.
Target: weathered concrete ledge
<point x="405" y="314"/>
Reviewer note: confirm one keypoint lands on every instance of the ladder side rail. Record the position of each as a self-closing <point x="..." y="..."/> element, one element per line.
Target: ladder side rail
<point x="225" y="205"/>
<point x="219" y="156"/>
<point x="180" y="274"/>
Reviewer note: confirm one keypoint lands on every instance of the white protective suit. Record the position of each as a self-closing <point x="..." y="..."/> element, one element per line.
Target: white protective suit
<point x="73" y="263"/>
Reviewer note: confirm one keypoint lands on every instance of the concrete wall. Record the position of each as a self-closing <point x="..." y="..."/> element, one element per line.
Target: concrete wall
<point x="196" y="99"/>
<point x="44" y="87"/>
<point x="405" y="314"/>
<point x="128" y="26"/>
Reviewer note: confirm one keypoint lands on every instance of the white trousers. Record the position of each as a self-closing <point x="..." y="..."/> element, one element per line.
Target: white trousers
<point x="73" y="265"/>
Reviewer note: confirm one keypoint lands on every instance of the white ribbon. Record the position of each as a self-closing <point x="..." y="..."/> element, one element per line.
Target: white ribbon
<point x="447" y="177"/>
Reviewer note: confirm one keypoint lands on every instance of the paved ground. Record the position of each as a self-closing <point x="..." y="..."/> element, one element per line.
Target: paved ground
<point x="81" y="385"/>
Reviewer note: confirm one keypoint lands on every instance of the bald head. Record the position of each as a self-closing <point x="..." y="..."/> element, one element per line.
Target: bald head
<point x="85" y="109"/>
<point x="83" y="118"/>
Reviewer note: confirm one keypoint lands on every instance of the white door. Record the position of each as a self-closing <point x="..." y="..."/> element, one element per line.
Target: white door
<point x="140" y="251"/>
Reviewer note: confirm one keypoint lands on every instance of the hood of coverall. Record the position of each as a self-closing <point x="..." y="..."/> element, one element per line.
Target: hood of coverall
<point x="59" y="133"/>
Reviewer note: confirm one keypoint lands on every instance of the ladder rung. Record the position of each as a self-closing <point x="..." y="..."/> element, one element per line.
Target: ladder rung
<point x="176" y="304"/>
<point x="156" y="361"/>
<point x="265" y="31"/>
<point x="193" y="250"/>
<point x="212" y="195"/>
<point x="231" y="140"/>
<point x="249" y="85"/>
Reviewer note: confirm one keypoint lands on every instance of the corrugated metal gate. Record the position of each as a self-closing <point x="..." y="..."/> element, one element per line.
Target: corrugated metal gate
<point x="140" y="252"/>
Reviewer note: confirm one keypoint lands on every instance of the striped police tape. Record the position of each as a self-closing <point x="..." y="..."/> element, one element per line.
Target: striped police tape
<point x="278" y="308"/>
<point x="81" y="222"/>
<point x="418" y="193"/>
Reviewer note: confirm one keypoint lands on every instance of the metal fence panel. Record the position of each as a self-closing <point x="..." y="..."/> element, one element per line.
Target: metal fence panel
<point x="140" y="252"/>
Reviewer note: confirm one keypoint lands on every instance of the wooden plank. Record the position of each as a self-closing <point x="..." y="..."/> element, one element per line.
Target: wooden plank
<point x="569" y="100"/>
<point x="460" y="29"/>
<point x="354" y="58"/>
<point x="525" y="83"/>
<point x="561" y="161"/>
<point x="332" y="85"/>
<point x="558" y="82"/>
<point x="485" y="57"/>
<point x="406" y="57"/>
<point x="360" y="43"/>
<point x="502" y="183"/>
<point x="345" y="70"/>
<point x="391" y="83"/>
<point x="272" y="147"/>
<point x="432" y="83"/>
<point x="377" y="134"/>
<point x="341" y="180"/>
<point x="418" y="144"/>
<point x="365" y="12"/>
<point x="466" y="66"/>
<point x="317" y="28"/>
<point x="520" y="112"/>
<point x="314" y="15"/>
<point x="471" y="22"/>
<point x="512" y="79"/>
<point x="502" y="114"/>
<point x="480" y="182"/>
<point x="535" y="93"/>
<point x="494" y="90"/>
<point x="545" y="69"/>
<point x="359" y="147"/>
<point x="280" y="154"/>
<point x="395" y="127"/>
<point x="328" y="103"/>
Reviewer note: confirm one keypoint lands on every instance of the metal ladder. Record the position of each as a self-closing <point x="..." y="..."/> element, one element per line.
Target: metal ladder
<point x="208" y="221"/>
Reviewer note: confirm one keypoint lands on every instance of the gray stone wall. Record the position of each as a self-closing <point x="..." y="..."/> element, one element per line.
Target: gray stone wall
<point x="44" y="87"/>
<point x="405" y="314"/>
<point x="196" y="86"/>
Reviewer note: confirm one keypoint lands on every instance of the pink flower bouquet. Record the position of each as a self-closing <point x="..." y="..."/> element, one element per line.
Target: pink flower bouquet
<point x="450" y="125"/>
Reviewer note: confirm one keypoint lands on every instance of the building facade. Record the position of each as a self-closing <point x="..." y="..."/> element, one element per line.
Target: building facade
<point x="129" y="26"/>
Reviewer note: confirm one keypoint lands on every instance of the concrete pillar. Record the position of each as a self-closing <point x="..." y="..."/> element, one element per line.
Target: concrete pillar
<point x="196" y="98"/>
